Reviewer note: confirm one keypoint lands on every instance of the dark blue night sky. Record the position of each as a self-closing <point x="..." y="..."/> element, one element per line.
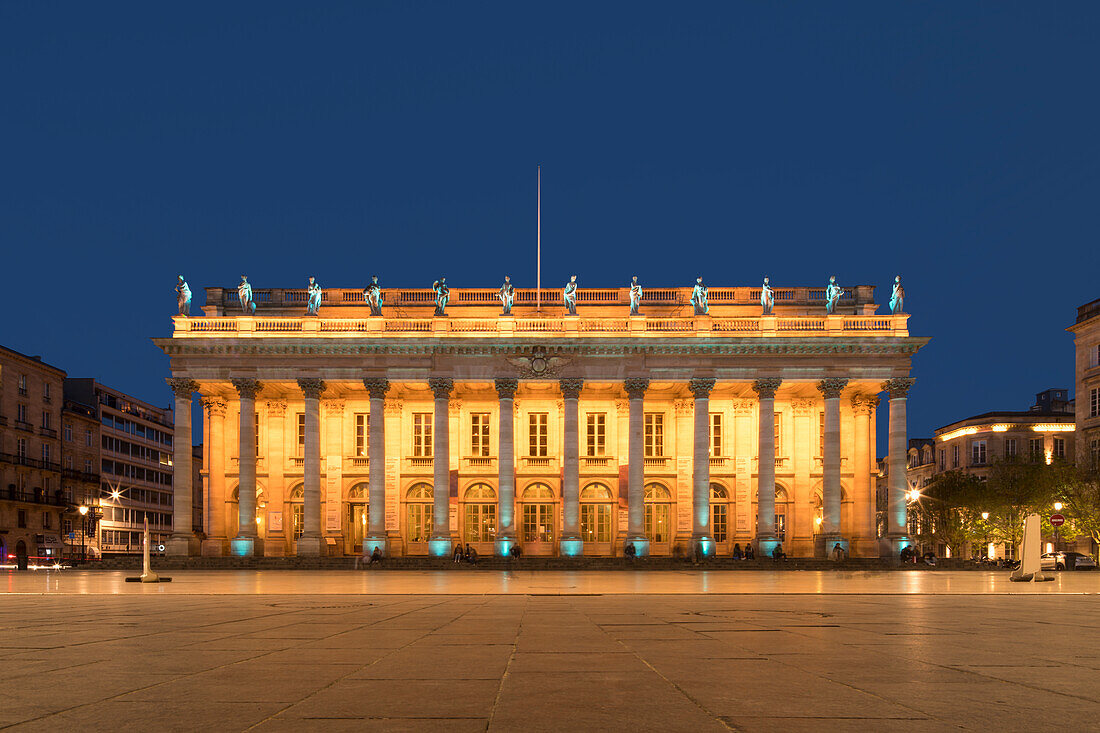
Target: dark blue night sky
<point x="954" y="143"/>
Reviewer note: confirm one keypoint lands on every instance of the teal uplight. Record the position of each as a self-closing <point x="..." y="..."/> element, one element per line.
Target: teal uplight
<point x="504" y="546"/>
<point x="439" y="547"/>
<point x="572" y="548"/>
<point x="707" y="546"/>
<point x="242" y="546"/>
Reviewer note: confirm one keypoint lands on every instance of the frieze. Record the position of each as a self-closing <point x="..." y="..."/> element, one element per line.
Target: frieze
<point x="276" y="408"/>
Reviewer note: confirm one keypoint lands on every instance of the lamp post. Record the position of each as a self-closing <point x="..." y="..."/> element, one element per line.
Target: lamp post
<point x="83" y="530"/>
<point x="1058" y="530"/>
<point x="985" y="518"/>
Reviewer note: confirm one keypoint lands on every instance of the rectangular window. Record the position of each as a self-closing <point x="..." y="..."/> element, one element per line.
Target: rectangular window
<point x="1059" y="447"/>
<point x="1010" y="447"/>
<point x="23" y="387"/>
<point x="257" y="446"/>
<point x="943" y="459"/>
<point x="596" y="522"/>
<point x="46" y="419"/>
<point x="1094" y="402"/>
<point x="537" y="434"/>
<point x="21" y="518"/>
<point x="88" y="438"/>
<point x="954" y="456"/>
<point x="1094" y="451"/>
<point x="821" y="433"/>
<point x="596" y="433"/>
<point x="46" y="452"/>
<point x="362" y="433"/>
<point x="778" y="423"/>
<point x="479" y="434"/>
<point x="301" y="446"/>
<point x="1035" y="449"/>
<point x="1094" y="359"/>
<point x="46" y="392"/>
<point x="654" y="435"/>
<point x="21" y="413"/>
<point x="715" y="434"/>
<point x="46" y="520"/>
<point x="422" y="434"/>
<point x="87" y="465"/>
<point x="68" y="432"/>
<point x="977" y="453"/>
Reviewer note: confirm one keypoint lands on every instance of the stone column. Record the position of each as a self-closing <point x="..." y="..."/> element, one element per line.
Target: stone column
<point x="700" y="467"/>
<point x="572" y="544"/>
<point x="440" y="544"/>
<point x="635" y="491"/>
<point x="376" y="453"/>
<point x="215" y="542"/>
<point x="246" y="543"/>
<point x="309" y="544"/>
<point x="864" y="542"/>
<point x="183" y="542"/>
<point x="506" y="464"/>
<point x="830" y="469"/>
<point x="766" y="540"/>
<point x="896" y="524"/>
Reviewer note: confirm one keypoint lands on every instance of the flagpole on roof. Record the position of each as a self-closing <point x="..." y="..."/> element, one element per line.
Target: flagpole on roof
<point x="538" y="239"/>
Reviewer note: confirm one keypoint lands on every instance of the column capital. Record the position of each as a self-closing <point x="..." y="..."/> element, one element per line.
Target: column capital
<point x="635" y="387"/>
<point x="898" y="388"/>
<point x="766" y="386"/>
<point x="506" y="387"/>
<point x="214" y="406"/>
<point x="182" y="387"/>
<point x="246" y="387"/>
<point x="441" y="386"/>
<point x="701" y="387"/>
<point x="864" y="404"/>
<point x="831" y="388"/>
<point x="377" y="387"/>
<point x="312" y="387"/>
<point x="571" y="387"/>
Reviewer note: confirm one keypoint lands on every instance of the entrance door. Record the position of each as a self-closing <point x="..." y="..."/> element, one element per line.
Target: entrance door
<point x="355" y="528"/>
<point x="658" y="518"/>
<point x="539" y="520"/>
<point x="597" y="525"/>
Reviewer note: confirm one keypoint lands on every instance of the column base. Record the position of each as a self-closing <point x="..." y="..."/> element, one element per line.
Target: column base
<point x="215" y="547"/>
<point x="831" y="541"/>
<point x="246" y="546"/>
<point x="440" y="546"/>
<point x="504" y="546"/>
<point x="184" y="545"/>
<point x="571" y="547"/>
<point x="765" y="546"/>
<point x="641" y="546"/>
<point x="379" y="541"/>
<point x="705" y="545"/>
<point x="892" y="545"/>
<point x="309" y="547"/>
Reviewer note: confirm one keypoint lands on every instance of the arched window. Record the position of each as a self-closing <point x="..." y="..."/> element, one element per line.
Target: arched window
<point x="538" y="513"/>
<point x="658" y="513"/>
<point x="297" y="511"/>
<point x="781" y="513"/>
<point x="418" y="512"/>
<point x="597" y="508"/>
<point x="357" y="515"/>
<point x="480" y="513"/>
<point x="719" y="513"/>
<point x="359" y="493"/>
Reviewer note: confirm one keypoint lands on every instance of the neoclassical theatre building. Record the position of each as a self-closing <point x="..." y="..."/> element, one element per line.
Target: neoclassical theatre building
<point x="334" y="433"/>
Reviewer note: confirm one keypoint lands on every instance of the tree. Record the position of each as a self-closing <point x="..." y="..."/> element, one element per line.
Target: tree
<point x="1013" y="490"/>
<point x="1080" y="492"/>
<point x="947" y="508"/>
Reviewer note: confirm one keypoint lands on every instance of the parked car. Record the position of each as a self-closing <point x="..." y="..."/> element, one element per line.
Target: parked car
<point x="1066" y="561"/>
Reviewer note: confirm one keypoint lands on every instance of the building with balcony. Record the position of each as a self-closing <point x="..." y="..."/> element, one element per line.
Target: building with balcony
<point x="1086" y="333"/>
<point x="565" y="434"/>
<point x="80" y="481"/>
<point x="134" y="464"/>
<point x="32" y="502"/>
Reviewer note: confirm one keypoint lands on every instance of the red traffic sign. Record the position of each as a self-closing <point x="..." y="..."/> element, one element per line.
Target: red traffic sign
<point x="1057" y="520"/>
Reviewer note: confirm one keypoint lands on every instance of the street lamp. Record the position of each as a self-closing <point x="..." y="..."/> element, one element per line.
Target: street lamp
<point x="83" y="530"/>
<point x="1057" y="530"/>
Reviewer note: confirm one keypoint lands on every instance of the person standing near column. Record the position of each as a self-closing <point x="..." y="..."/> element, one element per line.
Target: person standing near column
<point x="246" y="543"/>
<point x="440" y="543"/>
<point x="572" y="545"/>
<point x="896" y="524"/>
<point x="309" y="544"/>
<point x="700" y="469"/>
<point x="376" y="459"/>
<point x="635" y="491"/>
<point x="830" y="480"/>
<point x="506" y="463"/>
<point x="766" y="539"/>
<point x="183" y="542"/>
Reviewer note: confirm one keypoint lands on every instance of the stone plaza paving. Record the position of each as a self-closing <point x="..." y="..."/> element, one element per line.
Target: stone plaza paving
<point x="560" y="651"/>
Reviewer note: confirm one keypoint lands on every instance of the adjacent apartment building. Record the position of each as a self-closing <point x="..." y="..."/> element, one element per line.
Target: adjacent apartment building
<point x="1086" y="332"/>
<point x="135" y="466"/>
<point x="32" y="502"/>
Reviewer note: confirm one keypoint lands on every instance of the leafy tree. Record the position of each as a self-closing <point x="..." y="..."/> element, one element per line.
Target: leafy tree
<point x="1013" y="490"/>
<point x="1080" y="492"/>
<point x="947" y="508"/>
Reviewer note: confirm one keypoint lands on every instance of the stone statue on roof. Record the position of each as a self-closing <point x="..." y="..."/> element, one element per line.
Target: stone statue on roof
<point x="442" y="296"/>
<point x="569" y="296"/>
<point x="313" y="295"/>
<point x="507" y="295"/>
<point x="635" y="297"/>
<point x="699" y="297"/>
<point x="832" y="295"/>
<point x="767" y="297"/>
<point x="373" y="296"/>
<point x="183" y="297"/>
<point x="244" y="294"/>
<point x="897" y="298"/>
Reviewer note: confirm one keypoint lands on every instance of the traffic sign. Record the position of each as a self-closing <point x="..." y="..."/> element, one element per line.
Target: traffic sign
<point x="1057" y="520"/>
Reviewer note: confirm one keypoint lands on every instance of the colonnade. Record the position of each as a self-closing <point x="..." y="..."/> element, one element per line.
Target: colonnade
<point x="310" y="543"/>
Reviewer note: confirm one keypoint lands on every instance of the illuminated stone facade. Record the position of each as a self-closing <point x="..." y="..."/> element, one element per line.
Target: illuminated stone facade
<point x="1086" y="332"/>
<point x="562" y="434"/>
